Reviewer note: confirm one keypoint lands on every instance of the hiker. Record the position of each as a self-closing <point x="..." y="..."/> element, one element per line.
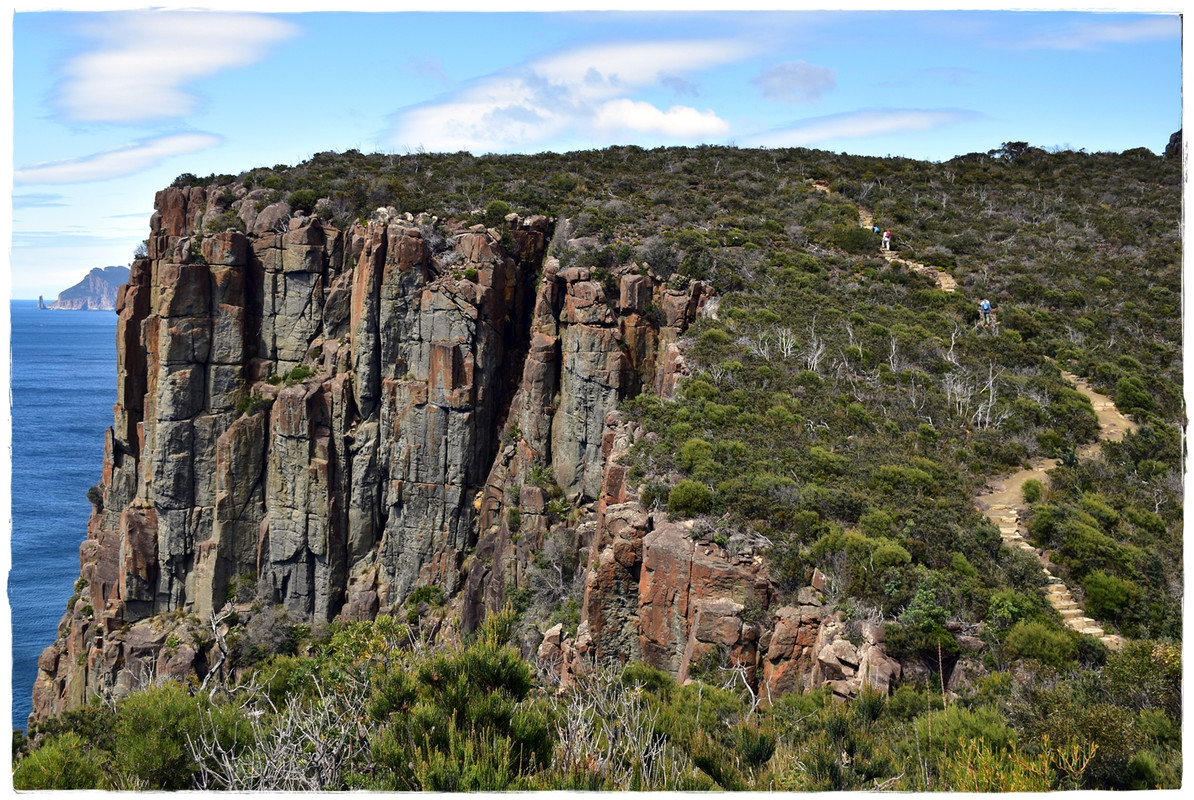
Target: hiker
<point x="875" y="229"/>
<point x="886" y="240"/>
<point x="985" y="308"/>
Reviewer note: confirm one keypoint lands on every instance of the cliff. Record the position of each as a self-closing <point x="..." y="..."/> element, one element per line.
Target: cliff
<point x="96" y="292"/>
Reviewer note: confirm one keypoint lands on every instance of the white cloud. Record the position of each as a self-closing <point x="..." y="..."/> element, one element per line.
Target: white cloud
<point x="116" y="163"/>
<point x="795" y="82"/>
<point x="1088" y="35"/>
<point x="861" y="124"/>
<point x="678" y="122"/>
<point x="568" y="94"/>
<point x="144" y="60"/>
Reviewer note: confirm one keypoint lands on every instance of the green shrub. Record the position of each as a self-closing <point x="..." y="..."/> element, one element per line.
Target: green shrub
<point x="251" y="404"/>
<point x="1008" y="607"/>
<point x="65" y="762"/>
<point x="298" y="375"/>
<point x="1131" y="396"/>
<point x="1107" y="596"/>
<point x="1032" y="490"/>
<point x="152" y="730"/>
<point x="1031" y="639"/>
<point x="715" y="337"/>
<point x="495" y="213"/>
<point x="1072" y="413"/>
<point x="854" y="239"/>
<point x="689" y="498"/>
<point x="303" y="200"/>
<point x="227" y="221"/>
<point x="430" y="594"/>
<point x="694" y="454"/>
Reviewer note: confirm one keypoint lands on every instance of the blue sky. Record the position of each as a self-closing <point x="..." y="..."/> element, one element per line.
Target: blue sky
<point x="110" y="107"/>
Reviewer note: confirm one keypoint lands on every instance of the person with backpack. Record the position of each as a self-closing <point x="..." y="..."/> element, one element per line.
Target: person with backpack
<point x="886" y="240"/>
<point x="985" y="308"/>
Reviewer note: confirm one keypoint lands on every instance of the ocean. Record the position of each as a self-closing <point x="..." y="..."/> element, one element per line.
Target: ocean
<point x="63" y="389"/>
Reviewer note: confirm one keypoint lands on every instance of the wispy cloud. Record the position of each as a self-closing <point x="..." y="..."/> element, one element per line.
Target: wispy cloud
<point x="795" y="82"/>
<point x="570" y="93"/>
<point x="142" y="62"/>
<point x="37" y="201"/>
<point x="1089" y="35"/>
<point x="116" y="163"/>
<point x="861" y="124"/>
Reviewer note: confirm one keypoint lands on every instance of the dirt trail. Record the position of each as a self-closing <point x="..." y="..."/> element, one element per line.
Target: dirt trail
<point x="1004" y="505"/>
<point x="866" y="219"/>
<point x="944" y="280"/>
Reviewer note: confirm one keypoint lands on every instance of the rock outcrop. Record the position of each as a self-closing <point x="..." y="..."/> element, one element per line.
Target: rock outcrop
<point x="1173" y="149"/>
<point x="96" y="292"/>
<point x="340" y="416"/>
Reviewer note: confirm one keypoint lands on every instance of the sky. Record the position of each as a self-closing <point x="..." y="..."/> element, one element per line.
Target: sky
<point x="110" y="107"/>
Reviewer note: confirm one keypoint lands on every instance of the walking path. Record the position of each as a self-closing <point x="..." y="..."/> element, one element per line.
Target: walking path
<point x="1004" y="503"/>
<point x="943" y="279"/>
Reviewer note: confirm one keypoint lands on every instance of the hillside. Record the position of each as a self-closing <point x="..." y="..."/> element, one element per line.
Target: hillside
<point x="96" y="292"/>
<point x="662" y="418"/>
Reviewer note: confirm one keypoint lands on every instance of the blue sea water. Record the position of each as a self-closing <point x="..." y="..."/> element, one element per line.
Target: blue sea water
<point x="63" y="389"/>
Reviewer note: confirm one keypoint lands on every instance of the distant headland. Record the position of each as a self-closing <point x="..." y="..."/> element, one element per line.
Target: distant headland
<point x="96" y="292"/>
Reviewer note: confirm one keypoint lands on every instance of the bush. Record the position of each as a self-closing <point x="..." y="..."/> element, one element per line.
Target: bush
<point x="495" y="213"/>
<point x="298" y="375"/>
<point x="1030" y="639"/>
<point x="1131" y="396"/>
<point x="689" y="498"/>
<point x="1032" y="490"/>
<point x="152" y="731"/>
<point x="303" y="200"/>
<point x="854" y="239"/>
<point x="1107" y="596"/>
<point x="65" y="762"/>
<point x="1008" y="607"/>
<point x="251" y="404"/>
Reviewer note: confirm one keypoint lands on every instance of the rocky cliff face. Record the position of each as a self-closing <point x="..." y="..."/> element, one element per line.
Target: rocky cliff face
<point x="96" y="292"/>
<point x="337" y="417"/>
